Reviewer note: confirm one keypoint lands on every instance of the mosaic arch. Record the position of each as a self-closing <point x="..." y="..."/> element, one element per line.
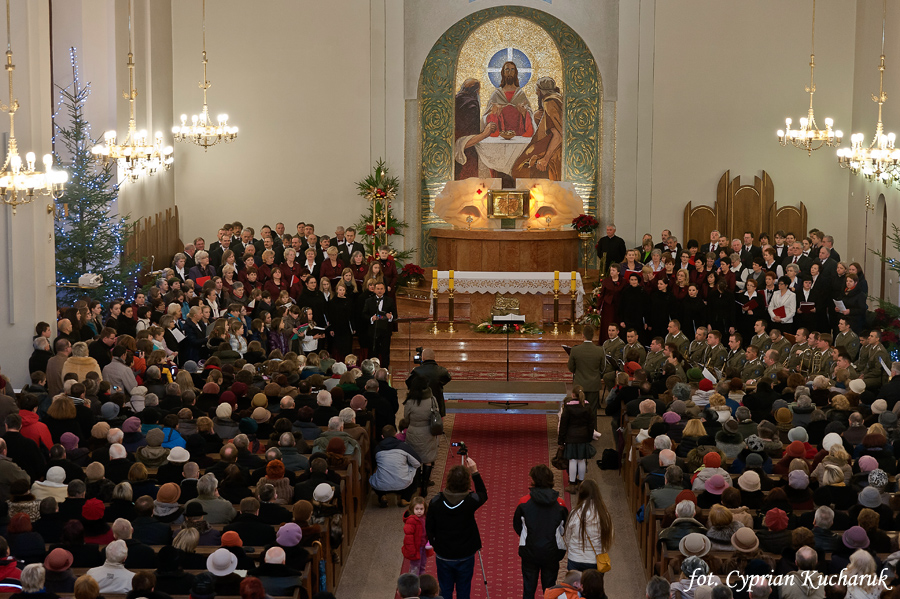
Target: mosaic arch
<point x="580" y="83"/>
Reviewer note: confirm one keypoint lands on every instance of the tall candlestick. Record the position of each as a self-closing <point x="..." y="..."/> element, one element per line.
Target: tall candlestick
<point x="451" y="280"/>
<point x="434" y="280"/>
<point x="573" y="280"/>
<point x="556" y="281"/>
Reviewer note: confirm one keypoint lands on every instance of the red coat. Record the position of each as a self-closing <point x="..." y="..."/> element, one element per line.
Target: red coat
<point x="275" y="290"/>
<point x="413" y="536"/>
<point x="389" y="267"/>
<point x="34" y="429"/>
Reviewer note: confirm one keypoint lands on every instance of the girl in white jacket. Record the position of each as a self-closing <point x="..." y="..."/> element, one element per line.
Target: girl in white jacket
<point x="589" y="529"/>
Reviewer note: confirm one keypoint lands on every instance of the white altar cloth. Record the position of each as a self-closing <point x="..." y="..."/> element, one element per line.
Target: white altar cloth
<point x="501" y="154"/>
<point x="473" y="281"/>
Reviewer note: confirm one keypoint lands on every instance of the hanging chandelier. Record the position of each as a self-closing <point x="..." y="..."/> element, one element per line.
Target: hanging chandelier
<point x="136" y="156"/>
<point x="879" y="160"/>
<point x="202" y="131"/>
<point x="21" y="183"/>
<point x="809" y="137"/>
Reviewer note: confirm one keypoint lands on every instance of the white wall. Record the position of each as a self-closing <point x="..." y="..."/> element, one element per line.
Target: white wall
<point x="723" y="78"/>
<point x="295" y="77"/>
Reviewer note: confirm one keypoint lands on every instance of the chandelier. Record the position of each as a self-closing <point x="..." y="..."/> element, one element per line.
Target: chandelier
<point x="137" y="155"/>
<point x="202" y="131"/>
<point x="809" y="137"/>
<point x="878" y="161"/>
<point x="20" y="184"/>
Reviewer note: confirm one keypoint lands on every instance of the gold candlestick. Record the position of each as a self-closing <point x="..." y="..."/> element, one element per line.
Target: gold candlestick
<point x="434" y="300"/>
<point x="450" y="328"/>
<point x="572" y="330"/>
<point x="555" y="312"/>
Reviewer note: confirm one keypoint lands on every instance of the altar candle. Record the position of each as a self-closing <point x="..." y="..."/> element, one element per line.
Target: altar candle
<point x="555" y="280"/>
<point x="451" y="280"/>
<point x="573" y="280"/>
<point x="434" y="280"/>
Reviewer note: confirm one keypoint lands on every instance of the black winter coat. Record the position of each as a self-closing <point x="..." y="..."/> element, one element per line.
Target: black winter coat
<point x="539" y="521"/>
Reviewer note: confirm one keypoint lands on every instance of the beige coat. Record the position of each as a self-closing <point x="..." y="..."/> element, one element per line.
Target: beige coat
<point x="81" y="366"/>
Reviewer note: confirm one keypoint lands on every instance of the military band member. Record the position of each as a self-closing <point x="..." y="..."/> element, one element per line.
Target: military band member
<point x="734" y="362"/>
<point x="634" y="347"/>
<point x="773" y="366"/>
<point x="874" y="375"/>
<point x="863" y="357"/>
<point x="844" y="362"/>
<point x="846" y="339"/>
<point x="715" y="357"/>
<point x="654" y="361"/>
<point x="697" y="348"/>
<point x="676" y="337"/>
<point x="753" y="367"/>
<point x="799" y="351"/>
<point x="760" y="339"/>
<point x="614" y="345"/>
<point x="778" y="342"/>
<point x="674" y="357"/>
<point x="822" y="363"/>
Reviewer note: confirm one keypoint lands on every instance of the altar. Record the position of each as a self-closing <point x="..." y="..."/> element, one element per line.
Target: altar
<point x="508" y="251"/>
<point x="533" y="290"/>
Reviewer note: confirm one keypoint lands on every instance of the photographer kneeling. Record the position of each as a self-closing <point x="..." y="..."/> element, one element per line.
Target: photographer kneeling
<point x="453" y="531"/>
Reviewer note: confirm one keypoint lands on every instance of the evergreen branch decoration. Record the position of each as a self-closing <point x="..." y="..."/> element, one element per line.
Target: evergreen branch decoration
<point x="377" y="224"/>
<point x="91" y="235"/>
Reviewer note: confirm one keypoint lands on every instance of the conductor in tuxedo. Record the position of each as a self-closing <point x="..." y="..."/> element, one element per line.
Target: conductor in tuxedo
<point x="381" y="310"/>
<point x="587" y="362"/>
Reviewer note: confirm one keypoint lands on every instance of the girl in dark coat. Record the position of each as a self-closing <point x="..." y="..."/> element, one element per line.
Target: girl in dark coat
<point x="659" y="305"/>
<point x="576" y="431"/>
<point x="693" y="312"/>
<point x="340" y="320"/>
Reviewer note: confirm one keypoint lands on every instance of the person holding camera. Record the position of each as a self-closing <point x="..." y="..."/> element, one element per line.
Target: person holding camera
<point x="452" y="530"/>
<point x="434" y="374"/>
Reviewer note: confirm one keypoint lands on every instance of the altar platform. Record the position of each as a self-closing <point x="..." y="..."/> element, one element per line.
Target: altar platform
<point x="507" y="250"/>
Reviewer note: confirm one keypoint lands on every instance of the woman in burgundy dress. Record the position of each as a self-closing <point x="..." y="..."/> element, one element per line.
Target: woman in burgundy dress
<point x="276" y="284"/>
<point x="359" y="267"/>
<point x="290" y="267"/>
<point x="331" y="268"/>
<point x="608" y="298"/>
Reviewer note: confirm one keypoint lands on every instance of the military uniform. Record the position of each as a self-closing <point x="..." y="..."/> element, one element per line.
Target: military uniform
<point x="761" y="342"/>
<point x="799" y="353"/>
<point x="716" y="356"/>
<point x="640" y="349"/>
<point x="770" y="374"/>
<point x="734" y="363"/>
<point x="752" y="370"/>
<point x="613" y="347"/>
<point x="697" y="351"/>
<point x="849" y="342"/>
<point x="653" y="363"/>
<point x="874" y="375"/>
<point x="680" y="341"/>
<point x="863" y="357"/>
<point x="782" y="346"/>
<point x="825" y="366"/>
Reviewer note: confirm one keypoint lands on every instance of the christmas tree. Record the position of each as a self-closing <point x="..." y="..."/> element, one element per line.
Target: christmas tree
<point x="90" y="234"/>
<point x="378" y="223"/>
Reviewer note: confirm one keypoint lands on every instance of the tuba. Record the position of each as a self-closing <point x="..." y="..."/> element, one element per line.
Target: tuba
<point x="815" y="362"/>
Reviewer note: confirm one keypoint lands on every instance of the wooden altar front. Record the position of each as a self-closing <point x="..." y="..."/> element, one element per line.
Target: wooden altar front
<point x="499" y="250"/>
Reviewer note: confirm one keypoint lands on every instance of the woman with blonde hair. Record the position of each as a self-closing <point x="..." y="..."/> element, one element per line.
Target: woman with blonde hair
<point x="722" y="526"/>
<point x="185" y="381"/>
<point x="62" y="417"/>
<point x="80" y="362"/>
<point x="186" y="542"/>
<point x="350" y="281"/>
<point x="86" y="587"/>
<point x="331" y="268"/>
<point x="861" y="571"/>
<point x="589" y="528"/>
<point x="690" y="437"/>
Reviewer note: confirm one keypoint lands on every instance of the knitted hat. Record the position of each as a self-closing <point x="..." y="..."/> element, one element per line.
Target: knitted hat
<point x="223" y="411"/>
<point x="712" y="460"/>
<point x="775" y="520"/>
<point x="678" y="406"/>
<point x="168" y="493"/>
<point x="109" y="410"/>
<point x="194" y="510"/>
<point x="94" y="471"/>
<point x="100" y="430"/>
<point x="93" y="509"/>
<point x="131" y="425"/>
<point x="745" y="540"/>
<point x="304" y="509"/>
<point x="749" y="481"/>
<point x="888" y="419"/>
<point x="155" y="437"/>
<point x="783" y="416"/>
<point x="179" y="455"/>
<point x="323" y="492"/>
<point x="239" y="389"/>
<point x="671" y="418"/>
<point x="229" y="398"/>
<point x="261" y="414"/>
<point x="798" y="479"/>
<point x="867" y="463"/>
<point x="694" y="544"/>
<point x="754" y="443"/>
<point x="289" y="535"/>
<point x="869" y="497"/>
<point x="336" y="445"/>
<point x="191" y="367"/>
<point x="275" y="469"/>
<point x="694" y="566"/>
<point x="855" y="537"/>
<point x="715" y="484"/>
<point x="706" y="385"/>
<point x="858" y="386"/>
<point x="832" y="440"/>
<point x="754" y="460"/>
<point x="879" y="406"/>
<point x="795" y="449"/>
<point x="358" y="403"/>
<point x="686" y="495"/>
<point x="247" y="426"/>
<point x="221" y="562"/>
<point x="878" y="478"/>
<point x="231" y="539"/>
<point x="69" y="441"/>
<point x="694" y="375"/>
<point x="798" y="433"/>
<point x="259" y="401"/>
<point x="271" y="390"/>
<point x="58" y="560"/>
<point x="211" y="389"/>
<point x="56" y="475"/>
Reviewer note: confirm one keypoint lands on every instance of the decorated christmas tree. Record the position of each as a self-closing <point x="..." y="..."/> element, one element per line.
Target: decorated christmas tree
<point x="90" y="234"/>
<point x="378" y="223"/>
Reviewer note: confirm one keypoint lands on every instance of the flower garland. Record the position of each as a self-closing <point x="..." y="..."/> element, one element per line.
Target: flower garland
<point x="529" y="328"/>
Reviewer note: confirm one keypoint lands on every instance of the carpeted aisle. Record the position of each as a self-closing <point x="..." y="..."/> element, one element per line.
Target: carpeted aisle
<point x="504" y="446"/>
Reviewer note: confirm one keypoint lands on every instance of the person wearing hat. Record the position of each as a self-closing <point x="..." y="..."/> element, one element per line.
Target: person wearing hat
<point x="166" y="508"/>
<point x="722" y="526"/>
<point x="712" y="465"/>
<point x="112" y="575"/>
<point x="712" y="491"/>
<point x="194" y="517"/>
<point x="58" y="577"/>
<point x="750" y="486"/>
<point x="776" y="538"/>
<point x="96" y="530"/>
<point x="153" y="454"/>
<point x="224" y="425"/>
<point x="222" y="564"/>
<point x="729" y="439"/>
<point x="798" y="491"/>
<point x="694" y="544"/>
<point x="172" y="471"/>
<point x="691" y="568"/>
<point x="871" y="498"/>
<point x="290" y="538"/>
<point x="249" y="527"/>
<point x="275" y="476"/>
<point x="852" y="539"/>
<point x="53" y="486"/>
<point x="132" y="437"/>
<point x="170" y="575"/>
<point x="795" y="450"/>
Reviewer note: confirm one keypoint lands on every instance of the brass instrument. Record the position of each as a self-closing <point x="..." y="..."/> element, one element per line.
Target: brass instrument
<point x="815" y="362"/>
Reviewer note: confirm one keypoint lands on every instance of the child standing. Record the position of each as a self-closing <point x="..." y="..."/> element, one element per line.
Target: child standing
<point x="414" y="538"/>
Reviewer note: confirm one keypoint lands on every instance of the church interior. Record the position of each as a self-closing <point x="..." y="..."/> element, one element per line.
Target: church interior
<point x="498" y="152"/>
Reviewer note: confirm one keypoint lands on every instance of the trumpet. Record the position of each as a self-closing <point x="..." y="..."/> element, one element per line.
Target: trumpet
<point x="815" y="362"/>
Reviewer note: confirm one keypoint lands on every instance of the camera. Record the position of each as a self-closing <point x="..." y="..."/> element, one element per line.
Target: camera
<point x="417" y="358"/>
<point x="461" y="448"/>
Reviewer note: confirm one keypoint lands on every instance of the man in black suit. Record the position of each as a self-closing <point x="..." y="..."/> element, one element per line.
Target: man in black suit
<point x="715" y="243"/>
<point x="796" y="257"/>
<point x="612" y="246"/>
<point x="828" y="241"/>
<point x="239" y="247"/>
<point x="350" y="246"/>
<point x="748" y="250"/>
<point x="664" y="236"/>
<point x="23" y="451"/>
<point x="194" y="337"/>
<point x="380" y="310"/>
<point x="672" y="248"/>
<point x="827" y="266"/>
<point x="249" y="527"/>
<point x="219" y="246"/>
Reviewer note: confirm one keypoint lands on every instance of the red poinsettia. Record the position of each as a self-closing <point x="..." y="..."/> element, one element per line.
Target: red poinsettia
<point x="411" y="269"/>
<point x="391" y="231"/>
<point x="370" y="230"/>
<point x="585" y="223"/>
<point x="889" y="337"/>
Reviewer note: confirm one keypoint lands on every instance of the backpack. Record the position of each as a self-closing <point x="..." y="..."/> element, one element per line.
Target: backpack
<point x="609" y="460"/>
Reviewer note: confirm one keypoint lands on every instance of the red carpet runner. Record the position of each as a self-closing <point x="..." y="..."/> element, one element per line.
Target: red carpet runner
<point x="505" y="447"/>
